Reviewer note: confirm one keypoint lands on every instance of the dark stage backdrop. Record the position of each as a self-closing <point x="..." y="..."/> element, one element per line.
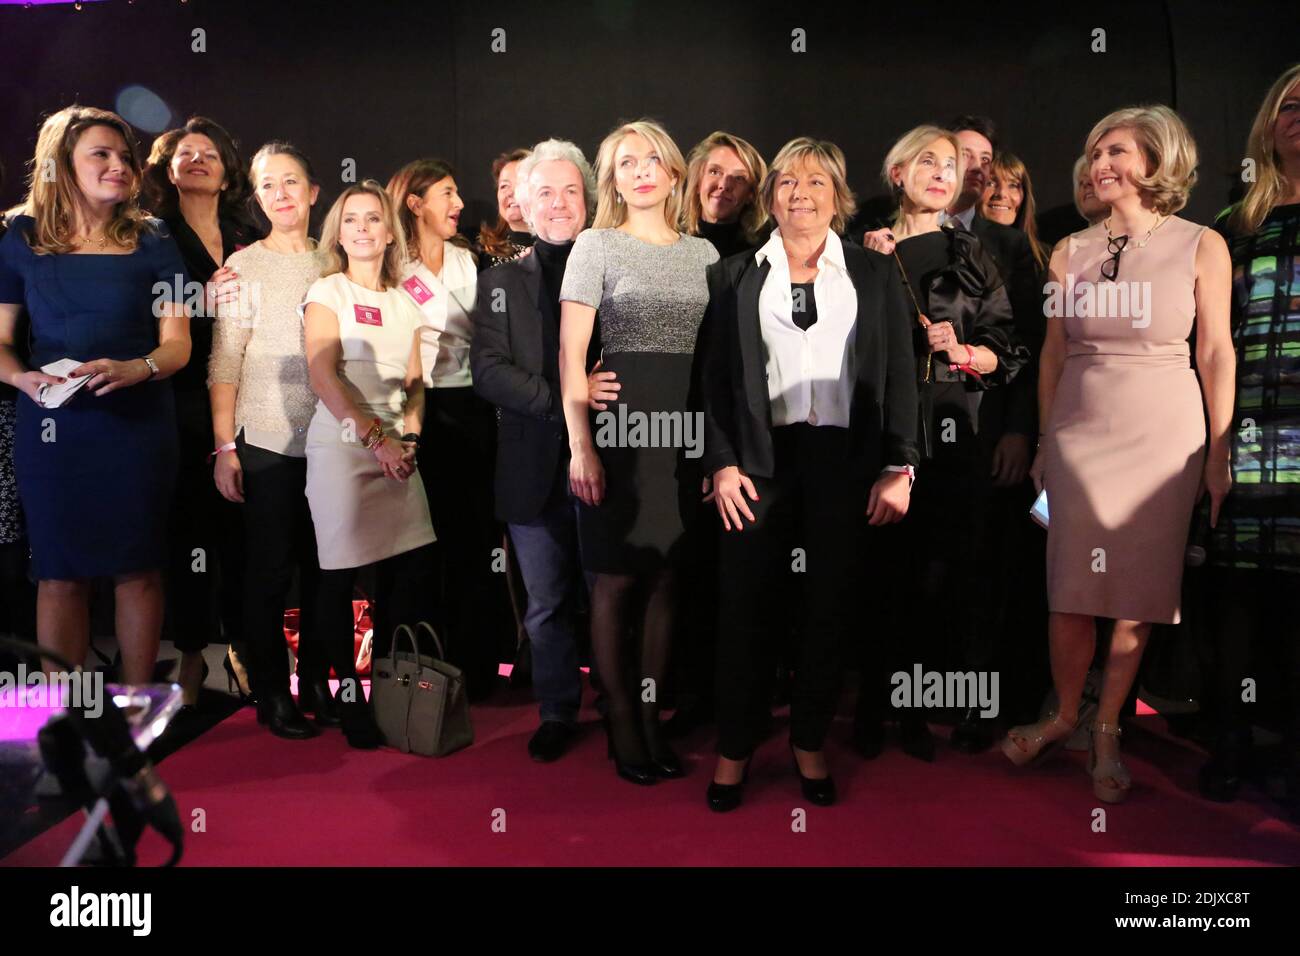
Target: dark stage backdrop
<point x="384" y="82"/>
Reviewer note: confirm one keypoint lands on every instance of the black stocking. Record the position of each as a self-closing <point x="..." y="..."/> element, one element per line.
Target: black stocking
<point x="610" y="605"/>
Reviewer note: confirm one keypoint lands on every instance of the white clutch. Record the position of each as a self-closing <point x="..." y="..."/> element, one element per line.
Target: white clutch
<point x="1039" y="511"/>
<point x="54" y="396"/>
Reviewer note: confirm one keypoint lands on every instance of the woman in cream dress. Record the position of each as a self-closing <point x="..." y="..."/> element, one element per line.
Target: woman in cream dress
<point x="367" y="501"/>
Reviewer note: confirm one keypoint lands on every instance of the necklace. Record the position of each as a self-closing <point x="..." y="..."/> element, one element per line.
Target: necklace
<point x="102" y="241"/>
<point x="1160" y="221"/>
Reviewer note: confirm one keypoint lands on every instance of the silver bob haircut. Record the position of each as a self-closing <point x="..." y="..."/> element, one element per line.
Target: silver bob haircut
<point x="549" y="149"/>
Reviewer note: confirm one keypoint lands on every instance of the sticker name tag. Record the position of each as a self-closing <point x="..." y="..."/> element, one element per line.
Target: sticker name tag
<point x="418" y="290"/>
<point x="368" y="315"/>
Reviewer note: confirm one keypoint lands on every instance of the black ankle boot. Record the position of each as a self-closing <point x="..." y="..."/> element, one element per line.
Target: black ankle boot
<point x="359" y="725"/>
<point x="916" y="739"/>
<point x="869" y="737"/>
<point x="281" y="716"/>
<point x="314" y="697"/>
<point x="1220" y="777"/>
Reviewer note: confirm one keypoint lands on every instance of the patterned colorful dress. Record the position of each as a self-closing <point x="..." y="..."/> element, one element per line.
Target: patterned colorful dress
<point x="1260" y="523"/>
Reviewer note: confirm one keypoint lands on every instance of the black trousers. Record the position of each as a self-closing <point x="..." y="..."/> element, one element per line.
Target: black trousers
<point x="472" y="601"/>
<point x="404" y="587"/>
<point x="280" y="539"/>
<point x="205" y="599"/>
<point x="806" y="535"/>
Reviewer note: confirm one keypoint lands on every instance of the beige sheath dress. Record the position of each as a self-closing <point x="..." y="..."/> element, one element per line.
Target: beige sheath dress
<point x="362" y="516"/>
<point x="1125" y="443"/>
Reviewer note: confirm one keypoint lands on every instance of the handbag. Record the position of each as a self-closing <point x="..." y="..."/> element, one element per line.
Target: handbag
<point x="420" y="702"/>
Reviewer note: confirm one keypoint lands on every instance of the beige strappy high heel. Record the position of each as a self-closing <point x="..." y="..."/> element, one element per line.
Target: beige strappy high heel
<point x="1111" y="769"/>
<point x="1040" y="739"/>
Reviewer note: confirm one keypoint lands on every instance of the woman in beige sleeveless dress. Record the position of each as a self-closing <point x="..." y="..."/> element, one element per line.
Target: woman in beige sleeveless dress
<point x="1125" y="448"/>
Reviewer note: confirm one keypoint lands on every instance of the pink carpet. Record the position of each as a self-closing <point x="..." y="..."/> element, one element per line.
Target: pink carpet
<point x="275" y="802"/>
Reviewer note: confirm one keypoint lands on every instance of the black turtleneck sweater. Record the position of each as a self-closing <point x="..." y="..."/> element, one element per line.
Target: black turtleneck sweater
<point x="552" y="257"/>
<point x="727" y="237"/>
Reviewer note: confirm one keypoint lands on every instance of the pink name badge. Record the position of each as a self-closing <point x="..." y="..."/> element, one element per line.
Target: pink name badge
<point x="368" y="315"/>
<point x="418" y="290"/>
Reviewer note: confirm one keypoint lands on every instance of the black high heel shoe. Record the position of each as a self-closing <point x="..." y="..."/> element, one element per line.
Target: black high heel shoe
<point x="725" y="797"/>
<point x="233" y="683"/>
<point x="359" y="725"/>
<point x="188" y="709"/>
<point x="314" y="697"/>
<point x="820" y="790"/>
<point x="282" y="717"/>
<point x="663" y="759"/>
<point x="641" y="774"/>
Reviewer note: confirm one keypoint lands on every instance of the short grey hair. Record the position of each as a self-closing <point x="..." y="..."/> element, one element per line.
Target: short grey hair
<point x="551" y="149"/>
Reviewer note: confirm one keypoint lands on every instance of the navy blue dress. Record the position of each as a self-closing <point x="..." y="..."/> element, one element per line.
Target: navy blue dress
<point x="95" y="476"/>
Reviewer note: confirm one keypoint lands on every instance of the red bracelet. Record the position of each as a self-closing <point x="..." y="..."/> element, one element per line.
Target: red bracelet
<point x="968" y="366"/>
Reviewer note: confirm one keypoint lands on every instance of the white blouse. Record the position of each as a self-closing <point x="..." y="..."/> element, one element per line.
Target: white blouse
<point x="446" y="301"/>
<point x="810" y="374"/>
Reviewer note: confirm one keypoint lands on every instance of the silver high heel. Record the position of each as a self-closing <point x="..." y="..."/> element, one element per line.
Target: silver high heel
<point x="1041" y="739"/>
<point x="1110" y="769"/>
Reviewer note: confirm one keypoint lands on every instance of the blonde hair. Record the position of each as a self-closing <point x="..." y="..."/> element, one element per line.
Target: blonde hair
<point x="753" y="217"/>
<point x="1080" y="165"/>
<point x="610" y="212"/>
<point x="1169" y="149"/>
<point x="1270" y="184"/>
<point x="1011" y="166"/>
<point x="831" y="159"/>
<point x="53" y="195"/>
<point x="904" y="154"/>
<point x="334" y="259"/>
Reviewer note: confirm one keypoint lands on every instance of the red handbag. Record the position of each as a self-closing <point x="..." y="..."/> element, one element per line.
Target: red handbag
<point x="362" y="634"/>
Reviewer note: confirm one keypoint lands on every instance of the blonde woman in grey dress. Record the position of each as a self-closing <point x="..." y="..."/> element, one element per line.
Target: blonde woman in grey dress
<point x="648" y="283"/>
<point x="367" y="500"/>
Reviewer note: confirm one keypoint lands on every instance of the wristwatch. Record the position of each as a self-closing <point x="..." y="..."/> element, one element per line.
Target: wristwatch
<point x="153" y="366"/>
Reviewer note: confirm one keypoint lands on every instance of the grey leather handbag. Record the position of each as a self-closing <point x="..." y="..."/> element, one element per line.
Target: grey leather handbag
<point x="420" y="702"/>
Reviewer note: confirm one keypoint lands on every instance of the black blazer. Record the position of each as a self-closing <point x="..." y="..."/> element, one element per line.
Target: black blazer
<point x="1014" y="408"/>
<point x="732" y="384"/>
<point x="506" y="362"/>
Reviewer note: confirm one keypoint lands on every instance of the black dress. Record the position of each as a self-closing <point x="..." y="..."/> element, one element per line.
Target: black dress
<point x="201" y="519"/>
<point x="650" y="300"/>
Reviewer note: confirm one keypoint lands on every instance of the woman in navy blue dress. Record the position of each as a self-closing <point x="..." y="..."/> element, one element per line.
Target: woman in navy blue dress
<point x="103" y="285"/>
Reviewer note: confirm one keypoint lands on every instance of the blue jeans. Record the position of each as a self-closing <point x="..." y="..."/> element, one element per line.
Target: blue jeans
<point x="547" y="549"/>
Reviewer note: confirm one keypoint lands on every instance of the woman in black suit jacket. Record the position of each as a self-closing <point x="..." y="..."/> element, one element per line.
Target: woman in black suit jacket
<point x="806" y="381"/>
